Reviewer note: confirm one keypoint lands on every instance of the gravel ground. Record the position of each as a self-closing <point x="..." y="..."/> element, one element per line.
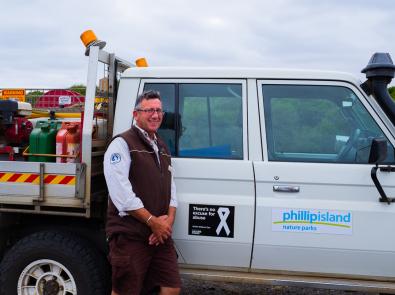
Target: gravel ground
<point x="195" y="287"/>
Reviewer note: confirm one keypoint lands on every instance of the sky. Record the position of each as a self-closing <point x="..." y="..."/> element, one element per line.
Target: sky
<point x="40" y="43"/>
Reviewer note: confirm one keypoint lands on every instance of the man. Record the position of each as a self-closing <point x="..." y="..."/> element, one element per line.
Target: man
<point x="142" y="205"/>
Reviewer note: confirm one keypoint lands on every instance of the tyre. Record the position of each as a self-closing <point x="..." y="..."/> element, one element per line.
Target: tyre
<point x="52" y="263"/>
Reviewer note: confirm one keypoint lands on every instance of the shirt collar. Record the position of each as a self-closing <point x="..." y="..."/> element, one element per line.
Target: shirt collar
<point x="146" y="135"/>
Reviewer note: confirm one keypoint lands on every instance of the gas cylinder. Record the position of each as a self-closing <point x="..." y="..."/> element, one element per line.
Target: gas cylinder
<point x="42" y="140"/>
<point x="68" y="142"/>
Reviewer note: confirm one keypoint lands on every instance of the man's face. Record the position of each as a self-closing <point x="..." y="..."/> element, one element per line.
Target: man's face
<point x="145" y="120"/>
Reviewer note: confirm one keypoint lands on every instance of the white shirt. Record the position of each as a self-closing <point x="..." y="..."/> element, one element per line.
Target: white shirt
<point x="117" y="163"/>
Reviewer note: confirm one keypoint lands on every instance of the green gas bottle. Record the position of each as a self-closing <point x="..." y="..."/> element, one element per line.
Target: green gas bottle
<point x="42" y="140"/>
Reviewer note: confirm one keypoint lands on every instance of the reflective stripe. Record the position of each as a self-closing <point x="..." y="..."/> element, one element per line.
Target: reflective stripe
<point x="35" y="179"/>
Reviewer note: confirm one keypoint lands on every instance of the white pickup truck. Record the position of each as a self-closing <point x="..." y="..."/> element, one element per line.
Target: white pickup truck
<point x="283" y="177"/>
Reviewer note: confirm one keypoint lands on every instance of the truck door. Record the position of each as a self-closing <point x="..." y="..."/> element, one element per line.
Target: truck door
<point x="317" y="207"/>
<point x="205" y="129"/>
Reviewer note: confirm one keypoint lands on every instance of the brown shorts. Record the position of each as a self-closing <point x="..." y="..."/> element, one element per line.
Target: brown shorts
<point x="138" y="267"/>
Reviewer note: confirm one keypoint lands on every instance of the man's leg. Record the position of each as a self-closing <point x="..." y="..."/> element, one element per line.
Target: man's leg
<point x="163" y="270"/>
<point x="168" y="291"/>
<point x="129" y="261"/>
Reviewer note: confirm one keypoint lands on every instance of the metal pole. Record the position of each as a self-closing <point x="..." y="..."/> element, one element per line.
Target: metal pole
<point x="88" y="117"/>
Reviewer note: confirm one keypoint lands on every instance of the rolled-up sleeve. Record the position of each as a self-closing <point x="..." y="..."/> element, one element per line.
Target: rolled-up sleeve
<point x="117" y="163"/>
<point x="173" y="199"/>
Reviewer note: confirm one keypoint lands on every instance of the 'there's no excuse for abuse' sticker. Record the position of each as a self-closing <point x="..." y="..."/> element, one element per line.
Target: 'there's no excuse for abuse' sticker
<point x="211" y="220"/>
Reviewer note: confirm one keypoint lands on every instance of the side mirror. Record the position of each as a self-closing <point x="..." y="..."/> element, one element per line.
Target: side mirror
<point x="378" y="151"/>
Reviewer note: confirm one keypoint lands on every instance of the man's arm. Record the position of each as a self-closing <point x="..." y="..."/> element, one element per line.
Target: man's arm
<point x="116" y="164"/>
<point x="171" y="215"/>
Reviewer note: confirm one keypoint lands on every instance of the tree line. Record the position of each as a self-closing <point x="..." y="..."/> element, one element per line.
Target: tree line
<point x="80" y="88"/>
<point x="391" y="90"/>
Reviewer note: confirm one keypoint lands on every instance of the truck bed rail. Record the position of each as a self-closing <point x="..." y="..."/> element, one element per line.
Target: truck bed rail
<point x="42" y="187"/>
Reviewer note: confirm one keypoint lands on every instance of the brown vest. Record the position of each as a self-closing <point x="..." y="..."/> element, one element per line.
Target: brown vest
<point x="151" y="182"/>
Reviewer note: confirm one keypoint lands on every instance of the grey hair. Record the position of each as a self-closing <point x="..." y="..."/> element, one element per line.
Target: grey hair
<point x="150" y="94"/>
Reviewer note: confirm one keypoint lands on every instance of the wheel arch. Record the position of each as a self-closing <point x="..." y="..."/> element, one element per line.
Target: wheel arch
<point x="14" y="227"/>
<point x="58" y="257"/>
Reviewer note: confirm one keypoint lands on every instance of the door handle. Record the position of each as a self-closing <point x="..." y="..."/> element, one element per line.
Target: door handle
<point x="286" y="189"/>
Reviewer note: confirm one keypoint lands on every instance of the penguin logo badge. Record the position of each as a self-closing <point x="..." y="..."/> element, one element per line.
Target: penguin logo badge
<point x="115" y="158"/>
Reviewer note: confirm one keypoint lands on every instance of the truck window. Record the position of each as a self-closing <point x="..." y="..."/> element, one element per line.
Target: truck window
<point x="167" y="130"/>
<point x="203" y="120"/>
<point x="318" y="124"/>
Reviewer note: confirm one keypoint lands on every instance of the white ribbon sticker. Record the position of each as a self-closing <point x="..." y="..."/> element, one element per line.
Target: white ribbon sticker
<point x="223" y="214"/>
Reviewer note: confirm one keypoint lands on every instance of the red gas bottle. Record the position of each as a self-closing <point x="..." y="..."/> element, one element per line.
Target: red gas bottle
<point x="68" y="142"/>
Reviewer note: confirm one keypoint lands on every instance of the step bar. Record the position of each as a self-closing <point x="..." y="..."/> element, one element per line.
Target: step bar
<point x="365" y="285"/>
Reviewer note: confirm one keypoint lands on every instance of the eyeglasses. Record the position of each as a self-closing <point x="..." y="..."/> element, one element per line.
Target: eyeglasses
<point x="151" y="111"/>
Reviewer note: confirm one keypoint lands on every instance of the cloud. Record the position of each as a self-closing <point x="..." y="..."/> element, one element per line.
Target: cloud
<point x="40" y="44"/>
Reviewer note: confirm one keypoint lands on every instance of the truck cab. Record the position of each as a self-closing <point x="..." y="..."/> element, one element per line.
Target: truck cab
<point x="273" y="169"/>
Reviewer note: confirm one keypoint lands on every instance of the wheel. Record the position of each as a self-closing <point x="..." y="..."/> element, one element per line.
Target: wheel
<point x="52" y="263"/>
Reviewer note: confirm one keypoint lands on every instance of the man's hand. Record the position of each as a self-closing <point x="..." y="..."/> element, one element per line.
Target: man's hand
<point x="161" y="229"/>
<point x="160" y="226"/>
<point x="153" y="240"/>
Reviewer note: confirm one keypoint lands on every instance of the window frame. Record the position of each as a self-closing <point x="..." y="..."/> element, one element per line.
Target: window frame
<point x="370" y="108"/>
<point x="242" y="82"/>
